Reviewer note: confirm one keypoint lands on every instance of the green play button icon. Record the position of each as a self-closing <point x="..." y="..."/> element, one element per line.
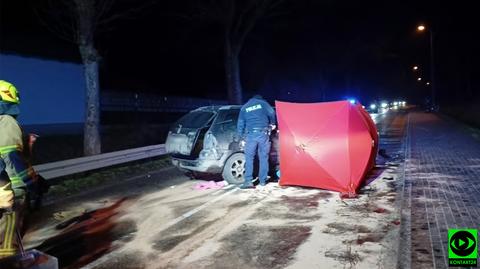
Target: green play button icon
<point x="462" y="247"/>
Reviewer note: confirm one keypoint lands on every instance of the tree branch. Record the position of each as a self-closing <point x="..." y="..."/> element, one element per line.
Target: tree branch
<point x="229" y="18"/>
<point x="274" y="4"/>
<point x="103" y="7"/>
<point x="85" y="11"/>
<point x="241" y="17"/>
<point x="57" y="23"/>
<point x="275" y="14"/>
<point x="251" y="22"/>
<point x="127" y="14"/>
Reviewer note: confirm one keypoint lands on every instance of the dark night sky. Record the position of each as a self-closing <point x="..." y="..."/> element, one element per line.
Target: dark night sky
<point x="361" y="48"/>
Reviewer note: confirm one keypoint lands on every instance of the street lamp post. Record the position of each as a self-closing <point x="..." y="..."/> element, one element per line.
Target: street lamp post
<point x="422" y="28"/>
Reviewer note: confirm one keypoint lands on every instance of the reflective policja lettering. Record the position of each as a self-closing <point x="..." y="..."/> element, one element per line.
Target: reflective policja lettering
<point x="252" y="108"/>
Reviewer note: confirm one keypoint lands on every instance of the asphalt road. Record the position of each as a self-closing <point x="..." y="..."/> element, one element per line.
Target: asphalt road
<point x="165" y="223"/>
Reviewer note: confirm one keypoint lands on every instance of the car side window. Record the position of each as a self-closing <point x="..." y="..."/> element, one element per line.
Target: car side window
<point x="230" y="120"/>
<point x="226" y="122"/>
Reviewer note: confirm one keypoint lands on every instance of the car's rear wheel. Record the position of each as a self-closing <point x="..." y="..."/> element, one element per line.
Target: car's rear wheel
<point x="234" y="169"/>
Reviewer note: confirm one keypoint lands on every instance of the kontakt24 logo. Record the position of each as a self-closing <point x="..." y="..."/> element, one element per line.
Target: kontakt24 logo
<point x="462" y="247"/>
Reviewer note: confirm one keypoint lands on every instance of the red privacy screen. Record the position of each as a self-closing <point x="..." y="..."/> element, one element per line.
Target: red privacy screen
<point x="330" y="145"/>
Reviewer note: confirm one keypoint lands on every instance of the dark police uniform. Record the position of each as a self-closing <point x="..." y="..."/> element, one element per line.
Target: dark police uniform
<point x="253" y="123"/>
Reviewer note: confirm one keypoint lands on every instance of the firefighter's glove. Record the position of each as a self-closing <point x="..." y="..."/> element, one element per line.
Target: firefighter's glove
<point x="6" y="197"/>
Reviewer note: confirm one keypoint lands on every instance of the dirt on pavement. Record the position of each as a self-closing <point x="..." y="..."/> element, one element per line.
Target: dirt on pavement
<point x="167" y="224"/>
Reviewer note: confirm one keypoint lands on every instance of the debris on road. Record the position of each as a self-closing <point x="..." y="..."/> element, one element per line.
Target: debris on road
<point x="209" y="185"/>
<point x="81" y="239"/>
<point x="280" y="227"/>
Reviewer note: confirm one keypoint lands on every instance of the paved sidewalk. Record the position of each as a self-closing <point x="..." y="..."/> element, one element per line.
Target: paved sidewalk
<point x="442" y="188"/>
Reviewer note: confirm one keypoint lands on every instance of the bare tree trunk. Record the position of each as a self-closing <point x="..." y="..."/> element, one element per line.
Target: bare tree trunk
<point x="78" y="21"/>
<point x="91" y="139"/>
<point x="232" y="73"/>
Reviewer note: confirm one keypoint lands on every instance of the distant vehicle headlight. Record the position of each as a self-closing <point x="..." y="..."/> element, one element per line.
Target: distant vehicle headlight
<point x="373" y="106"/>
<point x="395" y="103"/>
<point x="384" y="105"/>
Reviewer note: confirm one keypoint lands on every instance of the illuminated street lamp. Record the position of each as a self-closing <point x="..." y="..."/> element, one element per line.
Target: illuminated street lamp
<point x="419" y="79"/>
<point x="428" y="83"/>
<point x="423" y="28"/>
<point x="415" y="67"/>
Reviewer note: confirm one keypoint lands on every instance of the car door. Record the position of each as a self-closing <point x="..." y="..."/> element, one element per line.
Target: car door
<point x="224" y="128"/>
<point x="185" y="138"/>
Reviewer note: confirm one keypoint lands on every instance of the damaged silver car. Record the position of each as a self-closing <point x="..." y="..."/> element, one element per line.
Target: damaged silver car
<point x="202" y="143"/>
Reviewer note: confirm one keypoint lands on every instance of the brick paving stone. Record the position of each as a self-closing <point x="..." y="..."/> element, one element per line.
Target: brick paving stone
<point x="441" y="188"/>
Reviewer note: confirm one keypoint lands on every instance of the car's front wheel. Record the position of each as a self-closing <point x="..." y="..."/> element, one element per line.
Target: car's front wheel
<point x="234" y="169"/>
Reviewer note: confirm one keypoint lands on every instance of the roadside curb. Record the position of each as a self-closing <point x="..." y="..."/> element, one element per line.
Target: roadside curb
<point x="404" y="260"/>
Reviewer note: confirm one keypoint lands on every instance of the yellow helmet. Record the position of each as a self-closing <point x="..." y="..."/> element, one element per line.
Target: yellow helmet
<point x="8" y="92"/>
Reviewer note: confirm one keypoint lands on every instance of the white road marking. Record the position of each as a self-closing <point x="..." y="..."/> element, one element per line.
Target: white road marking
<point x="169" y="224"/>
<point x="195" y="210"/>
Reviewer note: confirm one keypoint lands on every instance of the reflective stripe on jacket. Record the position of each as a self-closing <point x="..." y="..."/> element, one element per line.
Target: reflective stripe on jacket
<point x="20" y="172"/>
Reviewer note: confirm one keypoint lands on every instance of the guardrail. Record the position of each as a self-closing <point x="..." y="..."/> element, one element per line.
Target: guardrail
<point x="83" y="164"/>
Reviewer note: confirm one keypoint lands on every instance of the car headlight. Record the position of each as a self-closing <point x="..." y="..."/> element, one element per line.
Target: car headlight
<point x="373" y="106"/>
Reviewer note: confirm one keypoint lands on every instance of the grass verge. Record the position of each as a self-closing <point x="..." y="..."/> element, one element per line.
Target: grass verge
<point x="87" y="181"/>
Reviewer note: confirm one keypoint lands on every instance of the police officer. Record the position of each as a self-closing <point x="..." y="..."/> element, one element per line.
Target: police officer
<point x="17" y="177"/>
<point x="255" y="121"/>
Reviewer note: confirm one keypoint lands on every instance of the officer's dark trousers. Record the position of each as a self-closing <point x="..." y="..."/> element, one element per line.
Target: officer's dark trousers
<point x="257" y="142"/>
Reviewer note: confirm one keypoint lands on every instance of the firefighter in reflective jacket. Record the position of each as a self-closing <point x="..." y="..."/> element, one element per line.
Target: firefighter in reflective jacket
<point x="17" y="178"/>
<point x="255" y="121"/>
